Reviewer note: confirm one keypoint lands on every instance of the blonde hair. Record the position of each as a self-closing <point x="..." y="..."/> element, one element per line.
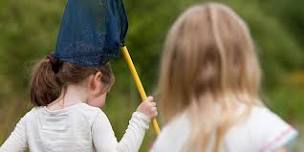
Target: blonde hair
<point x="209" y="66"/>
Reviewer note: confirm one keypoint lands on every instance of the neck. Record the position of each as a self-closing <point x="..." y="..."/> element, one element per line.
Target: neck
<point x="74" y="94"/>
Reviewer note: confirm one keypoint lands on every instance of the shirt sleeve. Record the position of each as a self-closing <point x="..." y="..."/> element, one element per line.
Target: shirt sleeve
<point x="271" y="131"/>
<point x="17" y="141"/>
<point x="104" y="138"/>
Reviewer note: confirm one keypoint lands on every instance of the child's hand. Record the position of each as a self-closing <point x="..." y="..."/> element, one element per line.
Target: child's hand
<point x="148" y="107"/>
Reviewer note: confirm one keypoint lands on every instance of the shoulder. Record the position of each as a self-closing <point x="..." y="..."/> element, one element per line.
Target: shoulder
<point x="87" y="109"/>
<point x="29" y="118"/>
<point x="270" y="127"/>
<point x="267" y="122"/>
<point x="32" y="114"/>
<point x="79" y="109"/>
<point x="81" y="113"/>
<point x="263" y="129"/>
<point x="88" y="112"/>
<point x="174" y="135"/>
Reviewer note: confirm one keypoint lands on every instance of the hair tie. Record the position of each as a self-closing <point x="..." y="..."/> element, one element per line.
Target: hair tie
<point x="56" y="64"/>
<point x="52" y="59"/>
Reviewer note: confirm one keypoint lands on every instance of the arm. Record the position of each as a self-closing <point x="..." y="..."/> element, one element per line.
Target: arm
<point x="105" y="140"/>
<point x="16" y="142"/>
<point x="132" y="139"/>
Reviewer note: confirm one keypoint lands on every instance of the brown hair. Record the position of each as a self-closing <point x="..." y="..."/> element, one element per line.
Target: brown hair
<point x="209" y="67"/>
<point x="50" y="78"/>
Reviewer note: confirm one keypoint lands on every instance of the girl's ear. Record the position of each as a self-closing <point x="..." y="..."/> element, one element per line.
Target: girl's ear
<point x="96" y="86"/>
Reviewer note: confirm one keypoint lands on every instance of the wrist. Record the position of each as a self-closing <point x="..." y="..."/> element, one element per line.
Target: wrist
<point x="142" y="117"/>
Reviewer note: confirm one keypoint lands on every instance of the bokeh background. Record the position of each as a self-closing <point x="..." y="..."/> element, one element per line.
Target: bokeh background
<point x="28" y="31"/>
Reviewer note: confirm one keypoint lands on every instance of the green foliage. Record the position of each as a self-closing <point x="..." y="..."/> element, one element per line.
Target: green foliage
<point x="29" y="29"/>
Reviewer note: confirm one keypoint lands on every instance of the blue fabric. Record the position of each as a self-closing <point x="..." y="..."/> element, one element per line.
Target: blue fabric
<point x="92" y="31"/>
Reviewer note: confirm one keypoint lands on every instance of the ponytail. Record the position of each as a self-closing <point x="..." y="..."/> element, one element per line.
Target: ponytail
<point x="44" y="86"/>
<point x="50" y="77"/>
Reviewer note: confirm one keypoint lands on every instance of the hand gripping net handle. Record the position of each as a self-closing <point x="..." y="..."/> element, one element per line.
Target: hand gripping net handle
<point x="138" y="83"/>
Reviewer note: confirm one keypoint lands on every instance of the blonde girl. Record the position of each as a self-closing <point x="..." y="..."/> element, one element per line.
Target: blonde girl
<point x="209" y="88"/>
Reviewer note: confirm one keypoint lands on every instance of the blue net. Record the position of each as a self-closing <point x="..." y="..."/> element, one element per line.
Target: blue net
<point x="92" y="31"/>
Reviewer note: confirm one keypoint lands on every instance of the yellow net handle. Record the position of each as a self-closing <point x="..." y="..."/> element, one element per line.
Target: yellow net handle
<point x="138" y="83"/>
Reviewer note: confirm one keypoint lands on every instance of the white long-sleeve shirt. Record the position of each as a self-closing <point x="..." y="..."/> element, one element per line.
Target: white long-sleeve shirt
<point x="78" y="128"/>
<point x="262" y="131"/>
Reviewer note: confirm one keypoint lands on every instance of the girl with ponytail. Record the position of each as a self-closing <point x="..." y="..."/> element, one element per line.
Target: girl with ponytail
<point x="68" y="88"/>
<point x="66" y="114"/>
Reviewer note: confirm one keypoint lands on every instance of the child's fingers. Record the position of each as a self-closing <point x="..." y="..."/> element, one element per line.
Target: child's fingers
<point x="148" y="107"/>
<point x="153" y="104"/>
<point x="150" y="99"/>
<point x="153" y="109"/>
<point x="154" y="112"/>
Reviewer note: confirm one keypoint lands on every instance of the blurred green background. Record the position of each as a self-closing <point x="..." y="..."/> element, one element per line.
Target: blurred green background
<point x="28" y="31"/>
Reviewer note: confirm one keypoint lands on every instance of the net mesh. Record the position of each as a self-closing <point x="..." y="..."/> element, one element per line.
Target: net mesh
<point x="91" y="32"/>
